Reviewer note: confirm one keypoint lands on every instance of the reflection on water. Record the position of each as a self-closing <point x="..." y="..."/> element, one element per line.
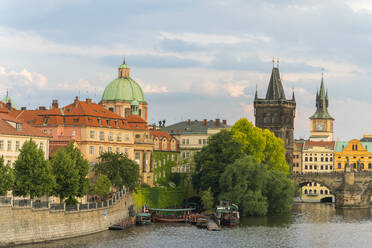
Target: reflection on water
<point x="309" y="225"/>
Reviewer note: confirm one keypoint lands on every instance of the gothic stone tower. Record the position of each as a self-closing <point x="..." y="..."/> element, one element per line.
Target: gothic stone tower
<point x="276" y="113"/>
<point x="321" y="123"/>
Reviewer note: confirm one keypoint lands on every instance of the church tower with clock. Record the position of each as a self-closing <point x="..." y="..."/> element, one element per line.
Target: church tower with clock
<point x="321" y="123"/>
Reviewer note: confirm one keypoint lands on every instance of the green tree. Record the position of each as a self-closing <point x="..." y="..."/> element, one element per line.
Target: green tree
<point x="279" y="191"/>
<point x="207" y="199"/>
<point x="82" y="167"/>
<point x="66" y="174"/>
<point x="6" y="177"/>
<point x="32" y="172"/>
<point x="102" y="185"/>
<point x="212" y="160"/>
<point x="263" y="145"/>
<point x="119" y="169"/>
<point x="256" y="189"/>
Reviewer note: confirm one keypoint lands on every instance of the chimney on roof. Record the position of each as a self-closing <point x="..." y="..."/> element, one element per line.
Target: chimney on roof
<point x="23" y="108"/>
<point x="189" y="122"/>
<point x="54" y="104"/>
<point x="8" y="105"/>
<point x="217" y="122"/>
<point x="42" y="108"/>
<point x="76" y="100"/>
<point x="205" y="122"/>
<point x="88" y="100"/>
<point x="224" y="122"/>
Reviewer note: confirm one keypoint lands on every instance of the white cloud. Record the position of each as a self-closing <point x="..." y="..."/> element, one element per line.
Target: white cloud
<point x="148" y="88"/>
<point x="208" y="39"/>
<point x="24" y="77"/>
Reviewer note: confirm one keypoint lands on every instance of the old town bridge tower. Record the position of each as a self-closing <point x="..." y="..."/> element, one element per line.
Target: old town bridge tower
<point x="276" y="113"/>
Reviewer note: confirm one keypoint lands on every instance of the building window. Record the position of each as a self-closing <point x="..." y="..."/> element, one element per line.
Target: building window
<point x="92" y="134"/>
<point x="45" y="130"/>
<point x="127" y="137"/>
<point x="326" y="192"/>
<point x="330" y="167"/>
<point x="138" y="155"/>
<point x="311" y="167"/>
<point x="109" y="149"/>
<point x="314" y="191"/>
<point x="73" y="133"/>
<point x="200" y="141"/>
<point x="118" y="150"/>
<point x="321" y="192"/>
<point x="126" y="151"/>
<point x="1" y="145"/>
<point x="91" y="166"/>
<point x="164" y="145"/>
<point x="305" y="191"/>
<point x="17" y="145"/>
<point x="369" y="165"/>
<point x="102" y="135"/>
<point x="91" y="150"/>
<point x="118" y="137"/>
<point x="305" y="159"/>
<point x="110" y="138"/>
<point x="101" y="150"/>
<point x="311" y="159"/>
<point x="315" y="167"/>
<point x="9" y="145"/>
<point x="339" y="166"/>
<point x="321" y="167"/>
<point x="50" y="132"/>
<point x="305" y="167"/>
<point x="316" y="159"/>
<point x="326" y="167"/>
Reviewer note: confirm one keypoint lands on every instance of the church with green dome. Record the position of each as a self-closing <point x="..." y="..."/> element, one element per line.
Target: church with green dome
<point x="124" y="96"/>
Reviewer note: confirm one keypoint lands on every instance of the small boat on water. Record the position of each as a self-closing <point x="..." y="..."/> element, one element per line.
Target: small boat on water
<point x="116" y="227"/>
<point x="202" y="222"/>
<point x="194" y="218"/>
<point x="227" y="214"/>
<point x="170" y="215"/>
<point x="143" y="218"/>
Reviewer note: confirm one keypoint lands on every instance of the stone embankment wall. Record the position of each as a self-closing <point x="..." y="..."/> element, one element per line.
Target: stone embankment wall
<point x="28" y="225"/>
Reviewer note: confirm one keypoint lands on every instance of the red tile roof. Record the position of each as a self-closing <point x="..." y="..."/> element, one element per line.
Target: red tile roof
<point x="326" y="144"/>
<point x="80" y="113"/>
<point x="7" y="128"/>
<point x="161" y="134"/>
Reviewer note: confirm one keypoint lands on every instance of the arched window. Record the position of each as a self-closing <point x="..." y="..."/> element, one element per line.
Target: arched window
<point x="305" y="191"/>
<point x="321" y="192"/>
<point x="369" y="166"/>
<point x="310" y="191"/>
<point x="326" y="192"/>
<point x="314" y="191"/>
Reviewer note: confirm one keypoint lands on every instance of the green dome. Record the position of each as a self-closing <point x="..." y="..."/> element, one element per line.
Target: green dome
<point x="123" y="66"/>
<point x="123" y="89"/>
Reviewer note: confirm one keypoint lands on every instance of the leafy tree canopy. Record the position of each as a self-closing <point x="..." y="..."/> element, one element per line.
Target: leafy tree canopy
<point x="256" y="189"/>
<point x="32" y="172"/>
<point x="82" y="167"/>
<point x="212" y="160"/>
<point x="207" y="199"/>
<point x="119" y="169"/>
<point x="6" y="177"/>
<point x="66" y="174"/>
<point x="263" y="145"/>
<point x="102" y="185"/>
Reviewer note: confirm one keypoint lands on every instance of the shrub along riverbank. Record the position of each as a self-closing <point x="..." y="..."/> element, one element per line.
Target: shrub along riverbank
<point x="158" y="197"/>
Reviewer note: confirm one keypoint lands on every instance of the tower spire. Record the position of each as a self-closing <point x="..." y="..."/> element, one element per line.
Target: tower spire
<point x="255" y="95"/>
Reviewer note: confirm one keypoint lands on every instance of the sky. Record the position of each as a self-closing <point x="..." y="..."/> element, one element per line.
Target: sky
<point x="194" y="59"/>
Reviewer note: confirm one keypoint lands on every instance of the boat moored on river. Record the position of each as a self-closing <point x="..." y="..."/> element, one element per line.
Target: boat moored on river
<point x="170" y="215"/>
<point x="227" y="214"/>
<point x="143" y="218"/>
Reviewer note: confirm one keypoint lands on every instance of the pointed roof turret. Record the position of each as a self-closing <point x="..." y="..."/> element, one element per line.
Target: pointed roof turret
<point x="321" y="103"/>
<point x="293" y="96"/>
<point x="256" y="94"/>
<point x="275" y="90"/>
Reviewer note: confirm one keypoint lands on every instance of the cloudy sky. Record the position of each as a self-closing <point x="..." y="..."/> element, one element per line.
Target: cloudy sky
<point x="194" y="59"/>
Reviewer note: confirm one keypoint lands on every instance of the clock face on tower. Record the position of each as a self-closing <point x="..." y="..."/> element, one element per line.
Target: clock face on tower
<point x="319" y="126"/>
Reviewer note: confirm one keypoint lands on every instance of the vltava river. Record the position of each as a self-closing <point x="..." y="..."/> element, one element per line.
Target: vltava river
<point x="309" y="225"/>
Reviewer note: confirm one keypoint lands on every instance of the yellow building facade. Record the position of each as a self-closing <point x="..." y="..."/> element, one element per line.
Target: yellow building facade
<point x="354" y="153"/>
<point x="317" y="157"/>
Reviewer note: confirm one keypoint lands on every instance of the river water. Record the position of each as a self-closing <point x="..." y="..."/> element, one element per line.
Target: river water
<point x="308" y="225"/>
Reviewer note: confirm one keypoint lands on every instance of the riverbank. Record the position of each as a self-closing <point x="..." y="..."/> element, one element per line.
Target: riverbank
<point x="308" y="225"/>
<point x="23" y="225"/>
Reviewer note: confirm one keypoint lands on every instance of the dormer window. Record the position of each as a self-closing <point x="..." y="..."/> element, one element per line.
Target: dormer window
<point x="19" y="126"/>
<point x="46" y="120"/>
<point x="99" y="121"/>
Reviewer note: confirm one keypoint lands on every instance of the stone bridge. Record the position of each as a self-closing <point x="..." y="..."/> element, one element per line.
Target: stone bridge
<point x="351" y="189"/>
